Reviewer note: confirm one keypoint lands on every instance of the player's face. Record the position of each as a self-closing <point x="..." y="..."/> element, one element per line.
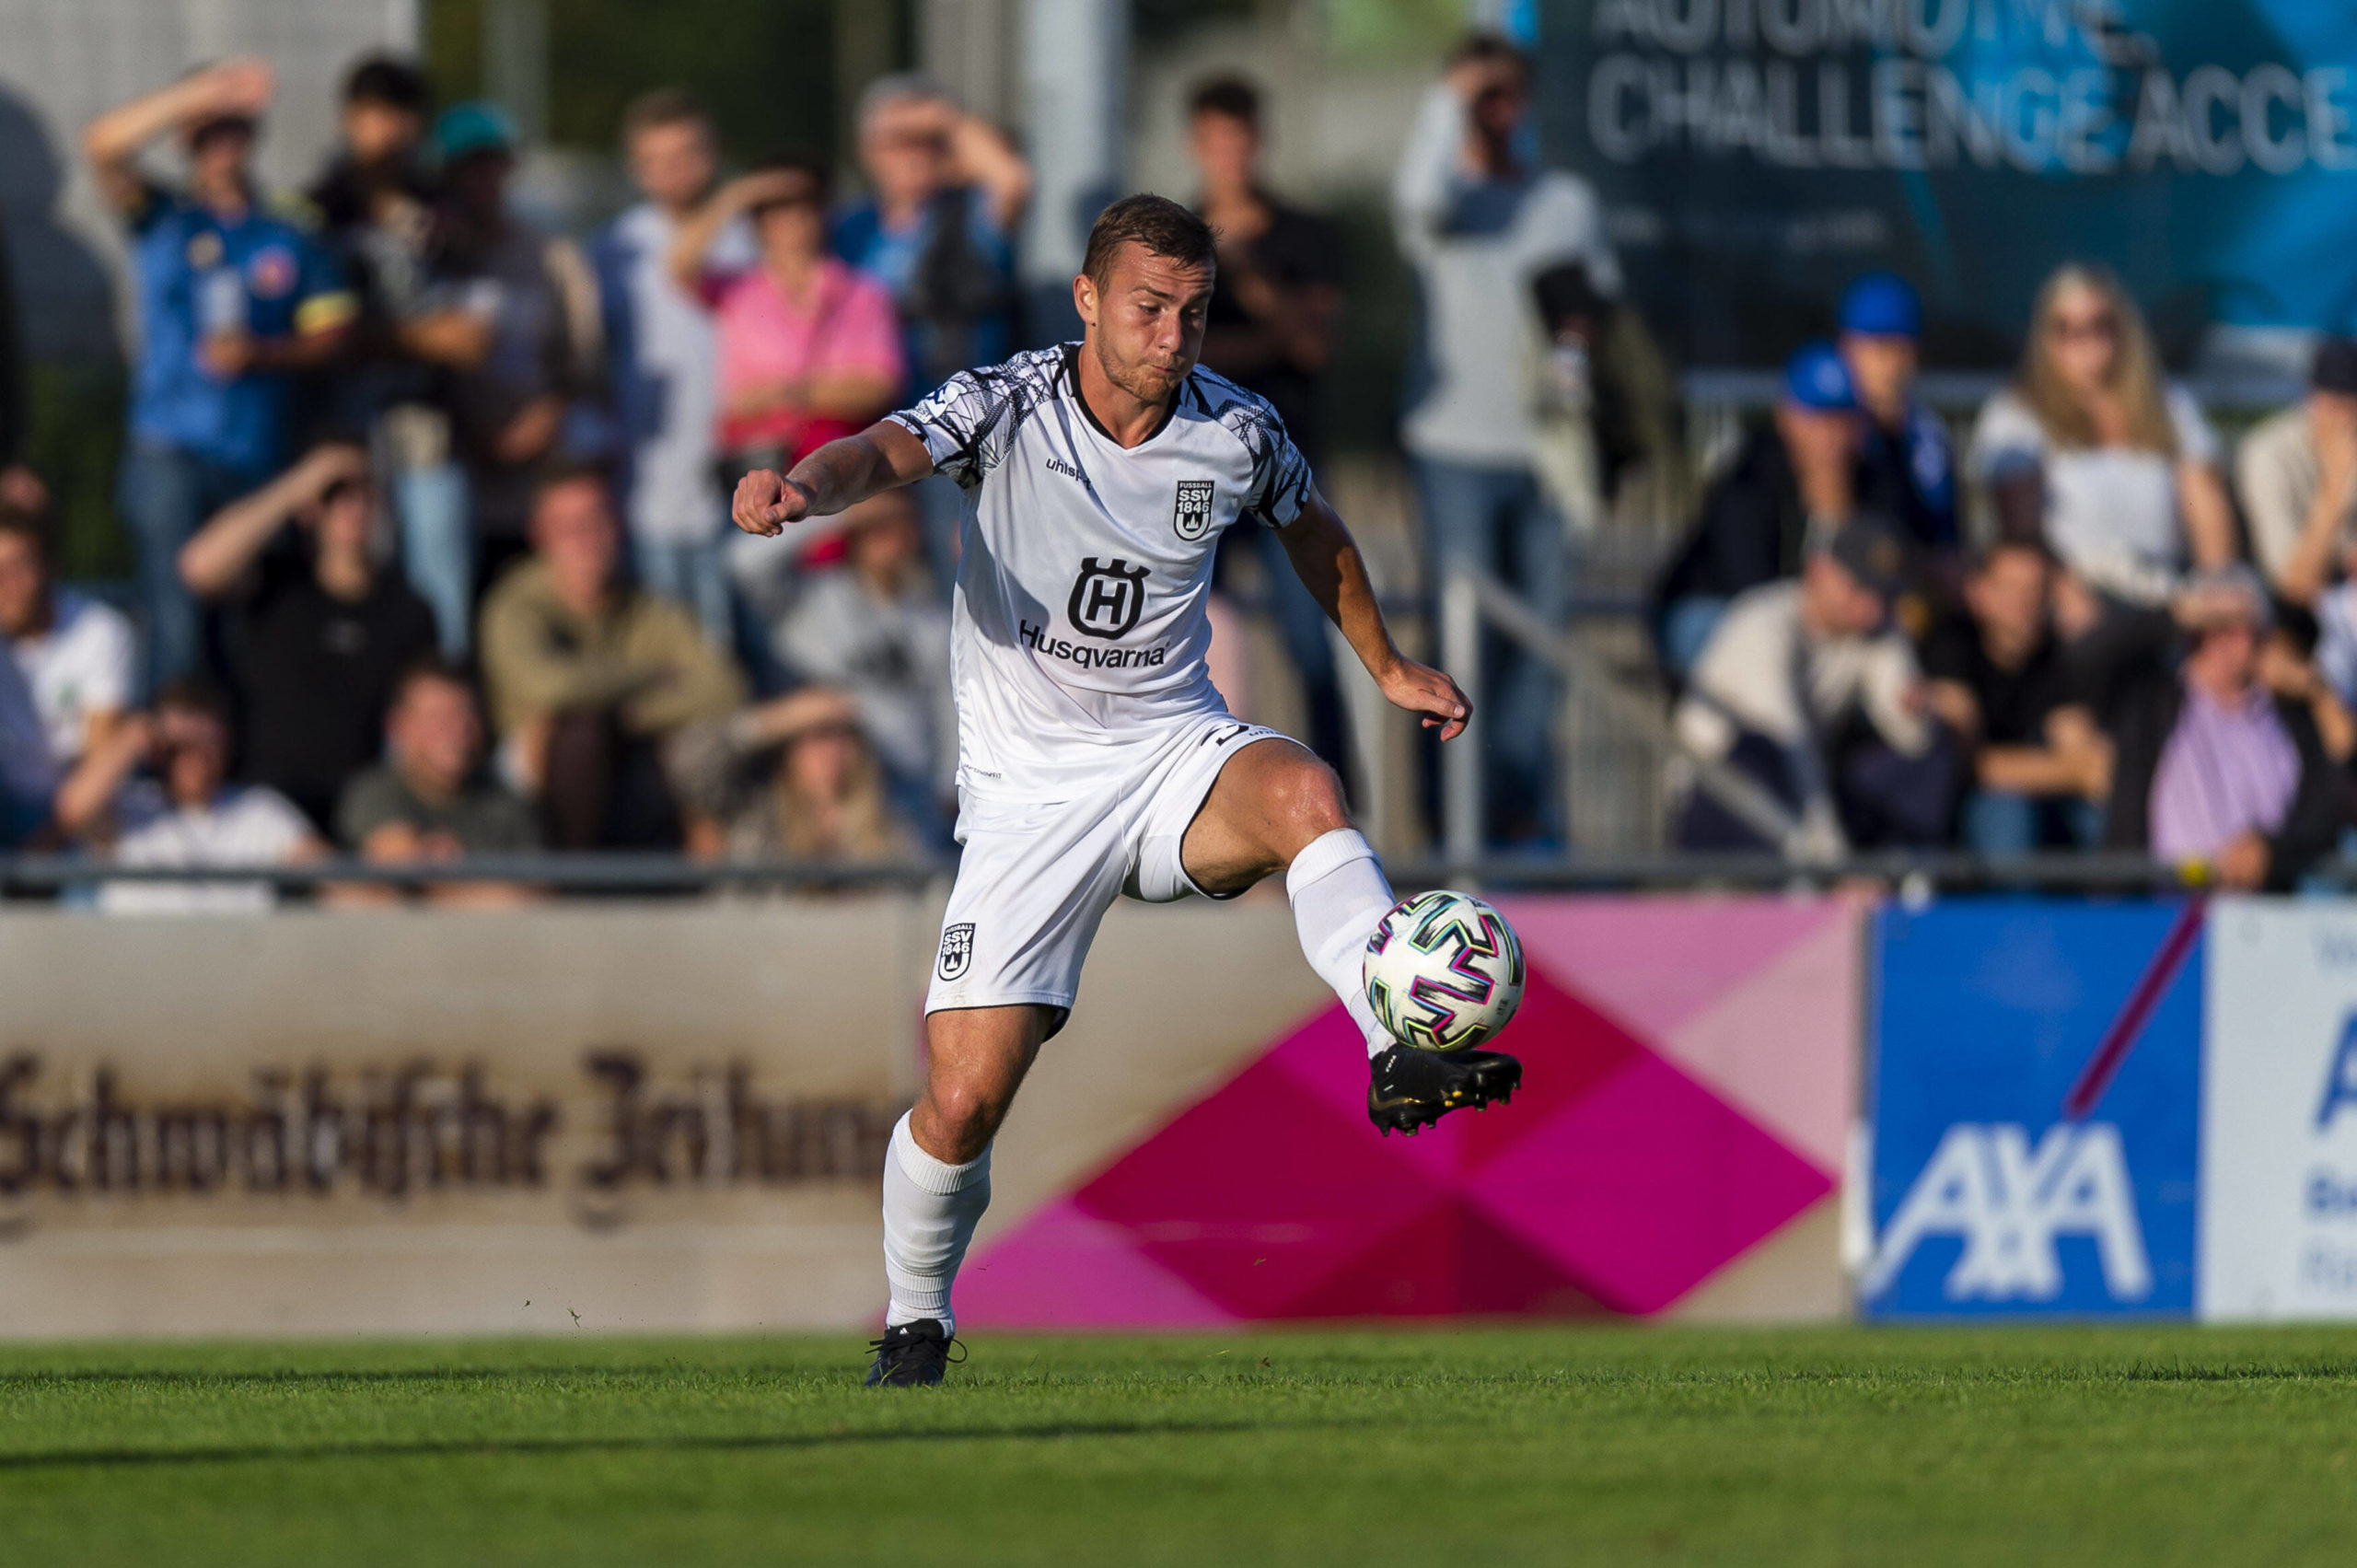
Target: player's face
<point x="1146" y="324"/>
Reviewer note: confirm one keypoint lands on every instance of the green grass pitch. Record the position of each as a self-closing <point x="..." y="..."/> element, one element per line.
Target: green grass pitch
<point x="1542" y="1445"/>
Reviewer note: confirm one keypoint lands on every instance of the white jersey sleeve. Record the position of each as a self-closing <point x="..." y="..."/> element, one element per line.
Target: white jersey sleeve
<point x="968" y="422"/>
<point x="1280" y="482"/>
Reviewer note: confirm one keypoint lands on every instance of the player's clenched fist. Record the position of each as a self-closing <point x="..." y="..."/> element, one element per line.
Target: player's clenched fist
<point x="766" y="501"/>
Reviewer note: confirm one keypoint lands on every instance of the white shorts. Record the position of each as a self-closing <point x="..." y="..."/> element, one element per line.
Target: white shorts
<point x="1036" y="877"/>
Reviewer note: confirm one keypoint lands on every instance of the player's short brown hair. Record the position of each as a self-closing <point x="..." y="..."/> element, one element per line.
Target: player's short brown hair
<point x="663" y="106"/>
<point x="1159" y="224"/>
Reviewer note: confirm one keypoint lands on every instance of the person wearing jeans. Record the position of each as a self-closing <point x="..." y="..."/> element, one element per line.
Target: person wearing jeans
<point x="1480" y="221"/>
<point x="234" y="302"/>
<point x="1495" y="520"/>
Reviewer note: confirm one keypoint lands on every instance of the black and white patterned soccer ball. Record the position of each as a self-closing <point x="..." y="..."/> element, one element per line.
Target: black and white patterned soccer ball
<point x="1443" y="970"/>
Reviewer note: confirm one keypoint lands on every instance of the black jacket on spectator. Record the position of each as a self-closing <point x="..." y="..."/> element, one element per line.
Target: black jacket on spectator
<point x="314" y="675"/>
<point x="2145" y="717"/>
<point x="1298" y="250"/>
<point x="1752" y="530"/>
<point x="2014" y="702"/>
<point x="1886" y="487"/>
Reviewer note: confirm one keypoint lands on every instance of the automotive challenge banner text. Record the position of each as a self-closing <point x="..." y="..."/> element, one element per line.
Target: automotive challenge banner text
<point x="1753" y="154"/>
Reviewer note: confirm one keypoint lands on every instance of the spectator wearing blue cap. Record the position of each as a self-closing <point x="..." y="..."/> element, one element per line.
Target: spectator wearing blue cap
<point x="1906" y="468"/>
<point x="508" y="413"/>
<point x="236" y="299"/>
<point x="1793" y="478"/>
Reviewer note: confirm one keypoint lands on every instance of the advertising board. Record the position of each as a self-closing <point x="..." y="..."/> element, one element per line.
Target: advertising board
<point x="2035" y="1074"/>
<point x="2279" y="1111"/>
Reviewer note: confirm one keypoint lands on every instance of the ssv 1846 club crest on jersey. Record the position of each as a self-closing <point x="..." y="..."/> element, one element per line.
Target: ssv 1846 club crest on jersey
<point x="1107" y="598"/>
<point x="1192" y="515"/>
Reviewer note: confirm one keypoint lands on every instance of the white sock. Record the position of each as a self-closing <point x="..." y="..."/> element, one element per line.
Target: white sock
<point x="1339" y="897"/>
<point x="930" y="1210"/>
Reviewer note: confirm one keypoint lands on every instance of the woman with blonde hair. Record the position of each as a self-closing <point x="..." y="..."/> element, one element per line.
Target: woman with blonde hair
<point x="2092" y="451"/>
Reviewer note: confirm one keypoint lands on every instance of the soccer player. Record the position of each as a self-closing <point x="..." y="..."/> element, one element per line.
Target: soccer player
<point x="1095" y="755"/>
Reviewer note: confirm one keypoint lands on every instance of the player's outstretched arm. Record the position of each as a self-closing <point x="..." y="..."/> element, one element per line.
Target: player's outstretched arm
<point x="838" y="475"/>
<point x="1327" y="560"/>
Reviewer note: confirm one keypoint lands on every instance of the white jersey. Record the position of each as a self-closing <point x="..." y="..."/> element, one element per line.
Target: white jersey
<point x="1085" y="568"/>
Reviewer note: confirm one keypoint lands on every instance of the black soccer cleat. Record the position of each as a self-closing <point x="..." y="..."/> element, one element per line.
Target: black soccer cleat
<point x="911" y="1355"/>
<point x="1410" y="1090"/>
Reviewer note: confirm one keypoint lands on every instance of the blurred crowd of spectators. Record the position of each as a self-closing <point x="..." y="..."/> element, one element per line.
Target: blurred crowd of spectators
<point x="2125" y="651"/>
<point x="427" y="505"/>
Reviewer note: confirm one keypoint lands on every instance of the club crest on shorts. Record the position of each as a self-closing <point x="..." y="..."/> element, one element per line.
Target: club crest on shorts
<point x="1192" y="516"/>
<point x="956" y="950"/>
<point x="1107" y="598"/>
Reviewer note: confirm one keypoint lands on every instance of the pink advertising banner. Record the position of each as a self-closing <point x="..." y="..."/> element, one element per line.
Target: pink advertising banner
<point x="1676" y="1150"/>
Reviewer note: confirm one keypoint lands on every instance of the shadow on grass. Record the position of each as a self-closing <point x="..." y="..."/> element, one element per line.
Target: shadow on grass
<point x="101" y="1459"/>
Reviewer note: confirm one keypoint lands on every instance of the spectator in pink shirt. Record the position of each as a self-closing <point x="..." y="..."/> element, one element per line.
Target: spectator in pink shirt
<point x="809" y="349"/>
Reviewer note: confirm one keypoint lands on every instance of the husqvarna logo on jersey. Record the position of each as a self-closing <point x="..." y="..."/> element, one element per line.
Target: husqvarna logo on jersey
<point x="1107" y="598"/>
<point x="2009" y="1202"/>
<point x="1192" y="515"/>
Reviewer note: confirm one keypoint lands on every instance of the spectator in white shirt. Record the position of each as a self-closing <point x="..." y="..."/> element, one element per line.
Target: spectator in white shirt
<point x="77" y="655"/>
<point x="662" y="356"/>
<point x="188" y="814"/>
<point x="1780" y="689"/>
<point x="2296" y="473"/>
<point x="1480" y="222"/>
<point x="2091" y="449"/>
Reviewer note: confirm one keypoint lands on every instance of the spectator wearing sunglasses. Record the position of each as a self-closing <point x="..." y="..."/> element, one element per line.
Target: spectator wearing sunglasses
<point x="2092" y="450"/>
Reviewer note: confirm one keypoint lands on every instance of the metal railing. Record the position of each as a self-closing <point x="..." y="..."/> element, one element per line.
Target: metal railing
<point x="1471" y="600"/>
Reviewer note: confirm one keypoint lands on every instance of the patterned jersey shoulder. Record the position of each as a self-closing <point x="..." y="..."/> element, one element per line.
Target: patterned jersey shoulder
<point x="969" y="423"/>
<point x="1280" y="473"/>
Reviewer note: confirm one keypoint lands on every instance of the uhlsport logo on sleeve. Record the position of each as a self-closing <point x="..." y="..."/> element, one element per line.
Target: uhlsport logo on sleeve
<point x="2034" y="1145"/>
<point x="1192" y="516"/>
<point x="1107" y="598"/>
<point x="956" y="950"/>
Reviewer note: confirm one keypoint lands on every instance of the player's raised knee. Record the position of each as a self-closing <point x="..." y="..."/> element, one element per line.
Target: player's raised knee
<point x="1305" y="800"/>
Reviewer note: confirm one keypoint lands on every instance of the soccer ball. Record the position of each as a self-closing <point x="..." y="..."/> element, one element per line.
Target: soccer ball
<point x="1443" y="970"/>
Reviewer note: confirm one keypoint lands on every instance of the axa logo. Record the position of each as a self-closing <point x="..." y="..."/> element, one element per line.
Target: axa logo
<point x="1107" y="598"/>
<point x="2010" y="1203"/>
